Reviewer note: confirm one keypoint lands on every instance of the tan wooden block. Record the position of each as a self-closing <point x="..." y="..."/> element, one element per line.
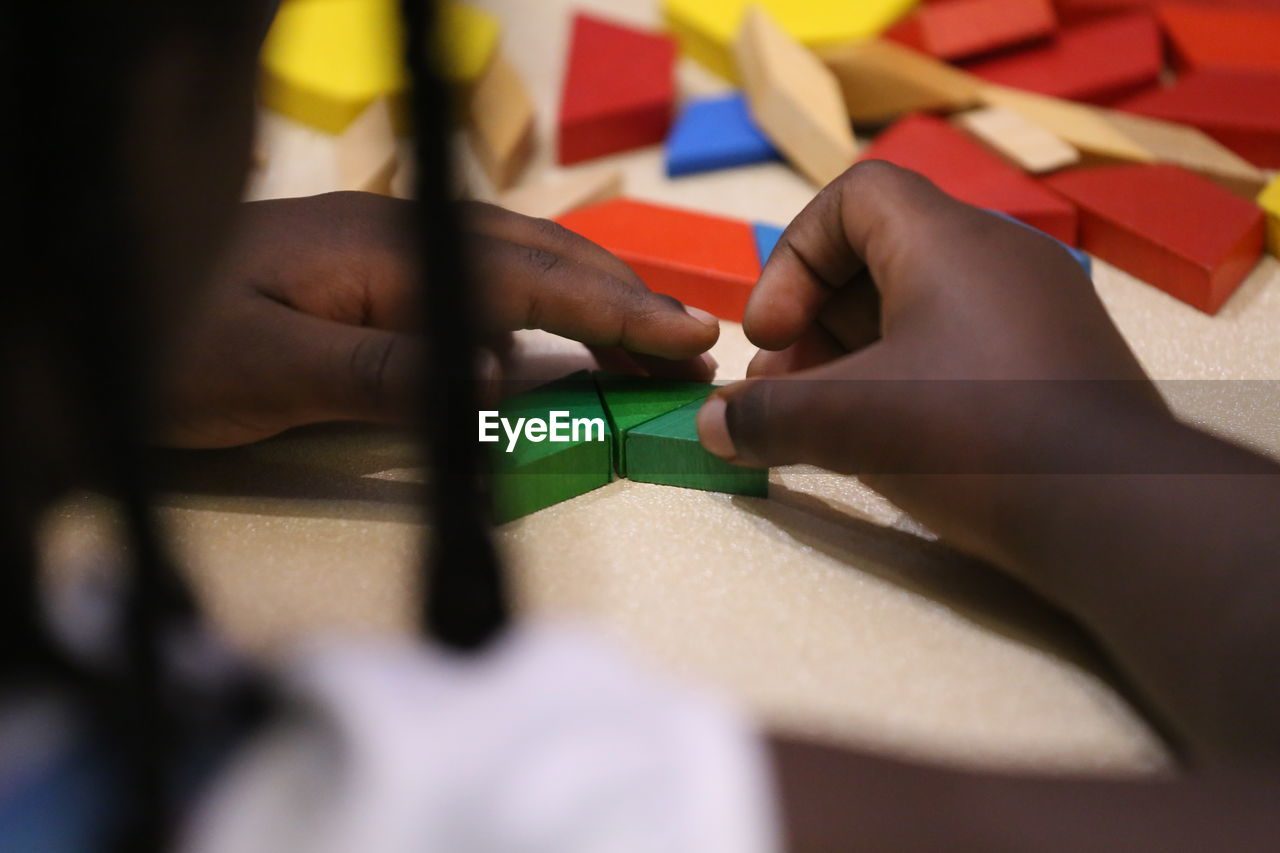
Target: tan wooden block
<point x="1085" y="127"/>
<point x="881" y="80"/>
<point x="794" y="98"/>
<point x="1023" y="143"/>
<point x="365" y="153"/>
<point x="1192" y="149"/>
<point x="549" y="200"/>
<point x="500" y="123"/>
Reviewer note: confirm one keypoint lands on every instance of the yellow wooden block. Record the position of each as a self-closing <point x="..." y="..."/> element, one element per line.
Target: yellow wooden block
<point x="1085" y="127"/>
<point x="500" y="121"/>
<point x="325" y="61"/>
<point x="1192" y="149"/>
<point x="794" y="99"/>
<point x="1270" y="201"/>
<point x="1026" y="145"/>
<point x="880" y="80"/>
<point x="706" y="29"/>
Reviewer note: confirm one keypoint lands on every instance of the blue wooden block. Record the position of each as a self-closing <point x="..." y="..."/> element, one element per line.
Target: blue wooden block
<point x="1082" y="258"/>
<point x="766" y="238"/>
<point x="716" y="133"/>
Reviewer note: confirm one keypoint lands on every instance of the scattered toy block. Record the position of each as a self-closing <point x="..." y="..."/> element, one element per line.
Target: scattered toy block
<point x="630" y="401"/>
<point x="767" y="237"/>
<point x="960" y="29"/>
<point x="619" y="88"/>
<point x="702" y="260"/>
<point x="537" y="474"/>
<point x="1240" y="109"/>
<point x="706" y="29"/>
<point x="1269" y="200"/>
<point x="1167" y="226"/>
<point x="1021" y="142"/>
<point x="794" y="99"/>
<point x="366" y="152"/>
<point x="1070" y="11"/>
<point x="966" y="170"/>
<point x="500" y="121"/>
<point x="1096" y="61"/>
<point x="666" y="450"/>
<point x="1086" y="128"/>
<point x="324" y="63"/>
<point x="1204" y="36"/>
<point x="552" y="199"/>
<point x="716" y="133"/>
<point x="881" y="80"/>
<point x="1192" y="149"/>
<point x="1081" y="257"/>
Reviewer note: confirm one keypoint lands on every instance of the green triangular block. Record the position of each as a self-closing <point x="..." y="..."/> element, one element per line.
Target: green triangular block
<point x="630" y="401"/>
<point x="537" y="474"/>
<point x="666" y="450"/>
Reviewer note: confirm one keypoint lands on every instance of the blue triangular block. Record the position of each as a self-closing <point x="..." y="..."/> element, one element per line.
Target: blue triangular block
<point x="766" y="238"/>
<point x="716" y="133"/>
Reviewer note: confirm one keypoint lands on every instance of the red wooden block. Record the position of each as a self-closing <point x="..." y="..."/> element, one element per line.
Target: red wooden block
<point x="1240" y="109"/>
<point x="1213" y="37"/>
<point x="966" y="170"/>
<point x="1074" y="11"/>
<point x="1097" y="61"/>
<point x="619" y="89"/>
<point x="959" y="29"/>
<point x="1169" y="227"/>
<point x="705" y="261"/>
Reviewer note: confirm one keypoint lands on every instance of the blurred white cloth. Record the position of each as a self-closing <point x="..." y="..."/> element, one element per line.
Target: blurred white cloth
<point x="551" y="742"/>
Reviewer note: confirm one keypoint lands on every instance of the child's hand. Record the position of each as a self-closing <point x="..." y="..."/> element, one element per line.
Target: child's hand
<point x="311" y="316"/>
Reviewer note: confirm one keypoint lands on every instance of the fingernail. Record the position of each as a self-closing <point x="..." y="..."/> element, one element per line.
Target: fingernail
<point x="706" y="318"/>
<point x="713" y="429"/>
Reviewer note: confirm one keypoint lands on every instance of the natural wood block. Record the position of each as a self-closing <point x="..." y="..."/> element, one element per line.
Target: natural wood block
<point x="1096" y="61"/>
<point x="630" y="401"/>
<point x="1021" y="142"/>
<point x="959" y="29"/>
<point x="1269" y="200"/>
<point x="880" y="80"/>
<point x="1209" y="36"/>
<point x="619" y="90"/>
<point x="1240" y="109"/>
<point x="550" y="199"/>
<point x="1086" y="128"/>
<point x="971" y="173"/>
<point x="795" y="99"/>
<point x="705" y="261"/>
<point x="666" y="450"/>
<point x="1192" y="149"/>
<point x="1167" y="226"/>
<point x="366" y="152"/>
<point x="500" y="121"/>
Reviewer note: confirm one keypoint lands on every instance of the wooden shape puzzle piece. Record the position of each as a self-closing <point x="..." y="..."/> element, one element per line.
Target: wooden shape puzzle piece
<point x="716" y="133"/>
<point x="794" y="99"/>
<point x="619" y="90"/>
<point x="630" y="401"/>
<point x="1023" y="143"/>
<point x="666" y="450"/>
<point x="960" y="29"/>
<point x="1167" y="226"/>
<point x="966" y="170"/>
<point x="706" y="28"/>
<point x="881" y="80"/>
<point x="537" y="474"/>
<point x="500" y="121"/>
<point x="1192" y="149"/>
<point x="1082" y="126"/>
<point x="702" y="260"/>
<point x="1204" y="36"/>
<point x="1269" y="200"/>
<point x="1240" y="109"/>
<point x="550" y="199"/>
<point x="366" y="153"/>
<point x="767" y="236"/>
<point x="1097" y="61"/>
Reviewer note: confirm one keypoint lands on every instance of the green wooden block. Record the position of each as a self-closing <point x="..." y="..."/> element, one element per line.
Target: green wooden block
<point x="537" y="474"/>
<point x="630" y="401"/>
<point x="666" y="450"/>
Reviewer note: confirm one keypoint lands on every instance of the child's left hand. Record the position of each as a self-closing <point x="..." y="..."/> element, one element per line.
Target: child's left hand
<point x="311" y="316"/>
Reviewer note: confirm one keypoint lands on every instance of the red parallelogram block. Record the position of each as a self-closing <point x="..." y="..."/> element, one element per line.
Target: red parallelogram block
<point x="1240" y="109"/>
<point x="1205" y="36"/>
<point x="619" y="90"/>
<point x="706" y="261"/>
<point x="972" y="174"/>
<point x="959" y="29"/>
<point x="1097" y="61"/>
<point x="1169" y="227"/>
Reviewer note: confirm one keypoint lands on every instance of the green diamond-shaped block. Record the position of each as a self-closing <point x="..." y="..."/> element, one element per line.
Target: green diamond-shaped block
<point x="666" y="450"/>
<point x="630" y="401"/>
